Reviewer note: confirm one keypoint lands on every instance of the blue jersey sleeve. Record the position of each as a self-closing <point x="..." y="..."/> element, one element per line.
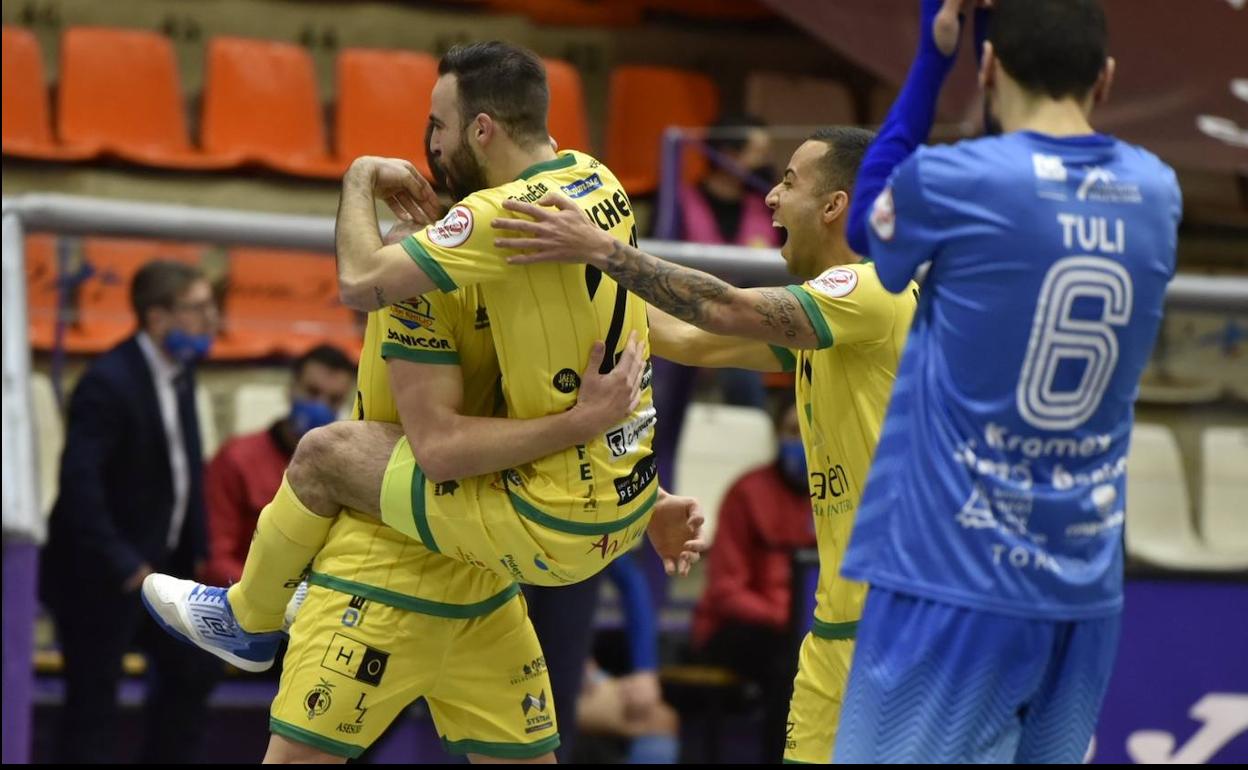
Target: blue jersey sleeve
<point x="906" y="127"/>
<point x="904" y="232"/>
<point x="640" y="621"/>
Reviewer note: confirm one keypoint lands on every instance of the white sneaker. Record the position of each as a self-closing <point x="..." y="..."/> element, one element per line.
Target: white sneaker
<point x="292" y="607"/>
<point x="201" y="615"/>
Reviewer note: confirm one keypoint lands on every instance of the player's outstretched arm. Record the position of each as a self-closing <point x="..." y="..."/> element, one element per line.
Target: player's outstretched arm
<point x="372" y="275"/>
<point x="557" y="231"/>
<point x="450" y="445"/>
<point x="684" y="343"/>
<point x="910" y="119"/>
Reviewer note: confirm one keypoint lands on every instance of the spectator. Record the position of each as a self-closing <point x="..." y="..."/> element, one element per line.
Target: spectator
<point x="247" y="470"/>
<point x="131" y="502"/>
<point x="725" y="208"/>
<point x="742" y="620"/>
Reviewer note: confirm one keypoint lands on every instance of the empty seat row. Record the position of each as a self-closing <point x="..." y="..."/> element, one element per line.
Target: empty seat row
<point x="120" y="95"/>
<point x="1160" y="529"/>
<point x="276" y="302"/>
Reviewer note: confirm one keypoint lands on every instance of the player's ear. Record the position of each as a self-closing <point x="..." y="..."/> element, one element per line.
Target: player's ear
<point x="1105" y="82"/>
<point x="836" y="204"/>
<point x="483" y="129"/>
<point x="987" y="78"/>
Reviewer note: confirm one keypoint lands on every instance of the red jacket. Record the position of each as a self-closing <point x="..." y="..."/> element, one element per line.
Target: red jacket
<point x="761" y="522"/>
<point x="239" y="482"/>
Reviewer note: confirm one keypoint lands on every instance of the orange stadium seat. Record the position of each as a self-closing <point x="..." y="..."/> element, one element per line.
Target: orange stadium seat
<point x="383" y="104"/>
<point x="644" y="102"/>
<point x="120" y="90"/>
<point x="27" y="125"/>
<point x="261" y="100"/>
<point x="567" y="121"/>
<point x="41" y="286"/>
<point x="287" y="301"/>
<point x="105" y="315"/>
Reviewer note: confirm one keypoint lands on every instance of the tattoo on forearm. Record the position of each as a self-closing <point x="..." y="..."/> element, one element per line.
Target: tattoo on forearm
<point x="691" y="295"/>
<point x="686" y="294"/>
<point x="779" y="310"/>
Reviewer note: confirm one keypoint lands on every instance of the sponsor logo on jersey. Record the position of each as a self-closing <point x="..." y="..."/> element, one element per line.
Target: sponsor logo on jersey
<point x="582" y="187"/>
<point x="531" y="670"/>
<point x="353" y="615"/>
<point x="355" y="659"/>
<point x="566" y="381"/>
<point x="884" y="215"/>
<point x="536" y="718"/>
<point x="354" y="728"/>
<point x="414" y="314"/>
<point x="837" y="282"/>
<point x="1048" y="168"/>
<point x="453" y="230"/>
<point x="318" y="699"/>
<point x="627" y="437"/>
<point x="1100" y="185"/>
<point x="532" y="193"/>
<point x="417" y="342"/>
<point x="632" y="485"/>
<point x="483" y="319"/>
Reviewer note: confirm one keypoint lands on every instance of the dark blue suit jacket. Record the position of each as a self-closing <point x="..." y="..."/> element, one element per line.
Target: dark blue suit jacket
<point x="116" y="488"/>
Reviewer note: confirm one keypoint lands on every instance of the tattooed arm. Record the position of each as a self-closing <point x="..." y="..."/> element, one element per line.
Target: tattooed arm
<point x="565" y="234"/>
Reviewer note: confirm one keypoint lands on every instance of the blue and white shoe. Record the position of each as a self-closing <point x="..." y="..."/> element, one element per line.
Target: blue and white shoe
<point x="200" y="615"/>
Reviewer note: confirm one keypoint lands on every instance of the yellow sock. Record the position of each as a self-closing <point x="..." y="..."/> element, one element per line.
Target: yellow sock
<point x="288" y="536"/>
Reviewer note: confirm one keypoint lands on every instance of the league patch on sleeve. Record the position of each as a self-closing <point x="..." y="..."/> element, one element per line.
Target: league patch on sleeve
<point x="837" y="282"/>
<point x="884" y="215"/>
<point x="453" y="229"/>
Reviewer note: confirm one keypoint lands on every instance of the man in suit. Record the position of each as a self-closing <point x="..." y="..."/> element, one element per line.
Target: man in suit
<point x="131" y="501"/>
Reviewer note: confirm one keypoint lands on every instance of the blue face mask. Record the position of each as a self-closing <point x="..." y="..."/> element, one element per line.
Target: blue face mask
<point x="187" y="348"/>
<point x="792" y="461"/>
<point x="307" y="414"/>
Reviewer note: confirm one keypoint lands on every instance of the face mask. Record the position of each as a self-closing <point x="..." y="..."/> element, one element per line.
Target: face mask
<point x="792" y="461"/>
<point x="307" y="414"/>
<point x="187" y="348"/>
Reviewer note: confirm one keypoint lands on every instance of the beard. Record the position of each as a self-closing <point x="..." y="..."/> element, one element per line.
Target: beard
<point x="463" y="173"/>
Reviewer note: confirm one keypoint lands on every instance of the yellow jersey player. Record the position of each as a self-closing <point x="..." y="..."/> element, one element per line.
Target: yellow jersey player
<point x="563" y="518"/>
<point x="438" y="478"/>
<point x="841" y="331"/>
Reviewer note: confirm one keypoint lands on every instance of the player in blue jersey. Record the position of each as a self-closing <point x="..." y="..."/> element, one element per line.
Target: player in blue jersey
<point x="990" y="530"/>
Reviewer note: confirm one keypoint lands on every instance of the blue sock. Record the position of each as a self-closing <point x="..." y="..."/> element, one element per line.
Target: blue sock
<point x="654" y="750"/>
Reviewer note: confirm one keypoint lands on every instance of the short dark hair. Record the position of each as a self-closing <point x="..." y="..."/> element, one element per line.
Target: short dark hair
<point x="504" y="81"/>
<point x="325" y="355"/>
<point x="159" y="283"/>
<point x="1052" y="47"/>
<point x="839" y="165"/>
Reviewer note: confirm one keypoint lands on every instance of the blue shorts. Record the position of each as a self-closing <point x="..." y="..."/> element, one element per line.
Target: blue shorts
<point x="935" y="683"/>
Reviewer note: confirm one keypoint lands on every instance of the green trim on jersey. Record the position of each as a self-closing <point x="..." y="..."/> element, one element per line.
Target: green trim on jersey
<point x="419" y="515"/>
<point x="834" y="631"/>
<point x="395" y="350"/>
<point x="528" y="511"/>
<point x="413" y="603"/>
<point x="309" y="738"/>
<point x="502" y="750"/>
<point x="428" y="264"/>
<point x="785" y="357"/>
<point x="555" y="164"/>
<point x="822" y="332"/>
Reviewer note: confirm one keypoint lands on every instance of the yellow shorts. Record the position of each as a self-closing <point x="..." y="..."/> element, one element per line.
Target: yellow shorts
<point x="478" y="521"/>
<point x="353" y="665"/>
<point x="818" y="692"/>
